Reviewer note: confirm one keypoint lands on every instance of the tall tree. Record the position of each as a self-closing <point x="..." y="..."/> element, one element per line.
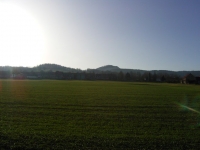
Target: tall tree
<point x="121" y="76"/>
<point x="128" y="76"/>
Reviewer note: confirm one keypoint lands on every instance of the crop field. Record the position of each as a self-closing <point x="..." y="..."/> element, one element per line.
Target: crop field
<point x="48" y="114"/>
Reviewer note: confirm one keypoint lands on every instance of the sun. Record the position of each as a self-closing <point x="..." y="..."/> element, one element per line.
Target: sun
<point x="22" y="40"/>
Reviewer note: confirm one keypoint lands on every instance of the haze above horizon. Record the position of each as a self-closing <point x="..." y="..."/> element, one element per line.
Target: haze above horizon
<point x="147" y="35"/>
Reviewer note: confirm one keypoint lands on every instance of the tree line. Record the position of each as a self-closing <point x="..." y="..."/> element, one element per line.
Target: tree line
<point x="112" y="76"/>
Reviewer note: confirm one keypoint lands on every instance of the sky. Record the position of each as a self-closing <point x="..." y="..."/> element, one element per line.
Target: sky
<point x="132" y="34"/>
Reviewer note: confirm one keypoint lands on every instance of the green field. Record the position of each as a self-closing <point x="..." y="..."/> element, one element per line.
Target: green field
<point x="49" y="114"/>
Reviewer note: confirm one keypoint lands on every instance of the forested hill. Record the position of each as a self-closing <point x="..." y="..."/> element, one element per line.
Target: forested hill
<point x="43" y="67"/>
<point x="108" y="68"/>
<point x="54" y="67"/>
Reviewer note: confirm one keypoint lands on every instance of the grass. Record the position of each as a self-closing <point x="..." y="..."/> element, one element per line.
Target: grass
<point x="49" y="114"/>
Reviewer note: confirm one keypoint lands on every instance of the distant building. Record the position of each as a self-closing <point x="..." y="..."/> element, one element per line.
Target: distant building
<point x="188" y="79"/>
<point x="18" y="76"/>
<point x="32" y="77"/>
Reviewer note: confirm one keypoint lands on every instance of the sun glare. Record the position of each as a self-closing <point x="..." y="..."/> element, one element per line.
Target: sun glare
<point x="22" y="41"/>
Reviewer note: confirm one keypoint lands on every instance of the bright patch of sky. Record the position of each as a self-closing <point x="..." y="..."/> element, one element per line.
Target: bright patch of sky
<point x="136" y="34"/>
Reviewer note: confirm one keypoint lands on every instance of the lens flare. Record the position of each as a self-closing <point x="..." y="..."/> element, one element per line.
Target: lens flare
<point x="193" y="106"/>
<point x="188" y="108"/>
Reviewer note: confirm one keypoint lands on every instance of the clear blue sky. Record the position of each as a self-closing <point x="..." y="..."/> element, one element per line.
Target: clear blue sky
<point x="136" y="34"/>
